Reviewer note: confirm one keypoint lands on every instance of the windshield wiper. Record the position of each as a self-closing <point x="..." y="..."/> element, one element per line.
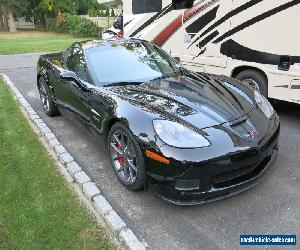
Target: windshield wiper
<point x="171" y="75"/>
<point x="121" y="84"/>
<point x="165" y="76"/>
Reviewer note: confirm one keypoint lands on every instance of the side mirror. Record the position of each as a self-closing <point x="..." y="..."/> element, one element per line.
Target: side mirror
<point x="177" y="59"/>
<point x="68" y="75"/>
<point x="73" y="78"/>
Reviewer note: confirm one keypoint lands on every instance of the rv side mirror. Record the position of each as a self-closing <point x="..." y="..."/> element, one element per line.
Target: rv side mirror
<point x="182" y="4"/>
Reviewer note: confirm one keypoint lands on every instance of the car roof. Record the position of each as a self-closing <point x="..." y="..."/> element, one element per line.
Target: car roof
<point x="108" y="42"/>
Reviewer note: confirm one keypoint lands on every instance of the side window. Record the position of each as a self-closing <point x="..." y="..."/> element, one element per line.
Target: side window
<point x="182" y="4"/>
<point x="76" y="63"/>
<point x="146" y="6"/>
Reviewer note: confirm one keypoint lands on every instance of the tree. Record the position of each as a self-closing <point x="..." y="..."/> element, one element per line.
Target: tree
<point x="83" y="6"/>
<point x="112" y="13"/>
<point x="38" y="10"/>
<point x="7" y="8"/>
<point x="106" y="12"/>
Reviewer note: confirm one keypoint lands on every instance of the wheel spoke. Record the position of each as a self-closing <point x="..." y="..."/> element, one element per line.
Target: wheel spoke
<point x="131" y="151"/>
<point x="126" y="172"/>
<point x="117" y="139"/>
<point x="130" y="173"/>
<point x="125" y="150"/>
<point x="116" y="149"/>
<point x="122" y="138"/>
<point x="120" y="169"/>
<point x="131" y="165"/>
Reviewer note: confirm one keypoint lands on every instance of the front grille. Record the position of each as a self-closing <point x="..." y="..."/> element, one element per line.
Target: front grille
<point x="240" y="175"/>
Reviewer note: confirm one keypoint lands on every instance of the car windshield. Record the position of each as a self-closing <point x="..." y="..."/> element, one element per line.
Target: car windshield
<point x="133" y="62"/>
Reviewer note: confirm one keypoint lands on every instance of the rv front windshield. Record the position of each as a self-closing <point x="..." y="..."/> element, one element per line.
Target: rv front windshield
<point x="129" y="62"/>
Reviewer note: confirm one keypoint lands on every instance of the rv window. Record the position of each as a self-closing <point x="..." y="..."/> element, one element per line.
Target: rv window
<point x="182" y="4"/>
<point x="146" y="6"/>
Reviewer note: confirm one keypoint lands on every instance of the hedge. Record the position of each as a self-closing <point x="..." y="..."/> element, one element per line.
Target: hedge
<point x="75" y="25"/>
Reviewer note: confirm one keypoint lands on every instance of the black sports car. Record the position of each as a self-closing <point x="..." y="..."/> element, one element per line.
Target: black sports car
<point x="191" y="137"/>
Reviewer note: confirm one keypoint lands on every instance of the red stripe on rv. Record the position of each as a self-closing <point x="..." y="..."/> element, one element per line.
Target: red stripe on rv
<point x="176" y="24"/>
<point x="167" y="32"/>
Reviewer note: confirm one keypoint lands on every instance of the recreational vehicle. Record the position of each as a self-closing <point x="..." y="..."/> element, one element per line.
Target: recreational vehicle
<point x="257" y="41"/>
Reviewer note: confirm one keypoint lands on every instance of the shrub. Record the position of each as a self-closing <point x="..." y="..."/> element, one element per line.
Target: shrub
<point x="77" y="26"/>
<point x="51" y="24"/>
<point x="93" y="13"/>
<point x="86" y="29"/>
<point x="106" y="13"/>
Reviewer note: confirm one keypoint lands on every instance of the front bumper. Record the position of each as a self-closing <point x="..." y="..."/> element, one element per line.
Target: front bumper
<point x="191" y="183"/>
<point x="244" y="182"/>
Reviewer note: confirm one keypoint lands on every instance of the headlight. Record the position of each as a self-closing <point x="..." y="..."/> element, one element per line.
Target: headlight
<point x="263" y="104"/>
<point x="176" y="135"/>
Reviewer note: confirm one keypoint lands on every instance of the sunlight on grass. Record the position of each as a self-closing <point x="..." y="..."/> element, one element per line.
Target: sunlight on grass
<point x="37" y="210"/>
<point x="34" y="41"/>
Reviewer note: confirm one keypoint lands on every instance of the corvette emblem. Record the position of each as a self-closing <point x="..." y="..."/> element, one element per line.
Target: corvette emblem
<point x="251" y="136"/>
<point x="252" y="133"/>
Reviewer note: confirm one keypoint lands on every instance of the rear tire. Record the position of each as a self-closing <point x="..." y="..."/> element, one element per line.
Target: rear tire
<point x="255" y="78"/>
<point x="49" y="106"/>
<point x="128" y="166"/>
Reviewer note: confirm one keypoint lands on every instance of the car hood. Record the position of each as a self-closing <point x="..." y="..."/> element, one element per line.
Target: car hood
<point x="200" y="100"/>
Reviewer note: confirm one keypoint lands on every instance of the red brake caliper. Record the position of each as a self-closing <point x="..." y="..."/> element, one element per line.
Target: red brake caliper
<point x="121" y="158"/>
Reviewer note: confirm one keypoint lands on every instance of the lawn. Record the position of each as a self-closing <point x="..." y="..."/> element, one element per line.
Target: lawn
<point x="34" y="41"/>
<point x="37" y="209"/>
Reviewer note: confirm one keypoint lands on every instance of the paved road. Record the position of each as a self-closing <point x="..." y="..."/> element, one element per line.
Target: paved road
<point x="271" y="207"/>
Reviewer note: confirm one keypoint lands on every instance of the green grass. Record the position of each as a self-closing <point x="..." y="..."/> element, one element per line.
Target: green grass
<point x="37" y="210"/>
<point x="33" y="41"/>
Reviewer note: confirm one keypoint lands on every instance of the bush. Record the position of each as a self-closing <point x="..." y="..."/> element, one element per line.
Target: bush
<point x="93" y="13"/>
<point x="51" y="24"/>
<point x="106" y="13"/>
<point x="77" y="26"/>
<point x="86" y="29"/>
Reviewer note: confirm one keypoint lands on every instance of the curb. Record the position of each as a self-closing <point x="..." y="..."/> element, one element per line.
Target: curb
<point x="73" y="172"/>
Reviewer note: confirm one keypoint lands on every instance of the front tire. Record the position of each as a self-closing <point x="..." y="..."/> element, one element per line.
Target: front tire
<point x="49" y="105"/>
<point x="255" y="78"/>
<point x="126" y="157"/>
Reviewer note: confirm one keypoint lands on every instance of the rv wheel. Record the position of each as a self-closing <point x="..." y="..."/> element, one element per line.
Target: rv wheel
<point x="255" y="78"/>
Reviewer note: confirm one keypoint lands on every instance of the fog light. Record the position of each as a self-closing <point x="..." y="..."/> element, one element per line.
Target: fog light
<point x="187" y="185"/>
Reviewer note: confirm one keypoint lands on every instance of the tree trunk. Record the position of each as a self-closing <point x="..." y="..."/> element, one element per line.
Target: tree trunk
<point x="1" y="20"/>
<point x="11" y="21"/>
<point x="45" y="24"/>
<point x="5" y="19"/>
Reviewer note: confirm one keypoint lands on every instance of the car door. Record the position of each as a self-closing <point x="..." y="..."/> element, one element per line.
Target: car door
<point x="75" y="93"/>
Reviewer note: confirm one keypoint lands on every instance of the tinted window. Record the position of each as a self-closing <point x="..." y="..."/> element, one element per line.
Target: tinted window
<point x="129" y="62"/>
<point x="76" y="63"/>
<point x="146" y="6"/>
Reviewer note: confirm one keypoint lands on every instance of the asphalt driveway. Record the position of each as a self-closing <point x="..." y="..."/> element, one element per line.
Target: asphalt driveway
<point x="270" y="208"/>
